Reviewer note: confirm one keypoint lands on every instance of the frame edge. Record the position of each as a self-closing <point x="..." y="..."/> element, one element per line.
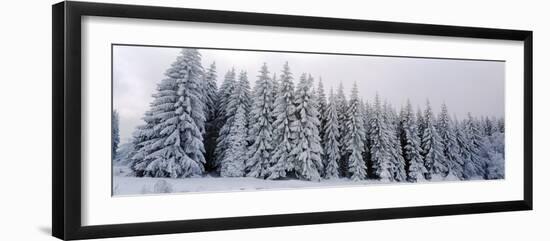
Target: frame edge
<point x="58" y="79"/>
<point x="528" y="120"/>
<point x="66" y="221"/>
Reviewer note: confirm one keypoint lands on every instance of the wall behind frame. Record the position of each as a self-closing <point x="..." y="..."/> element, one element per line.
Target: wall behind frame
<point x="25" y="101"/>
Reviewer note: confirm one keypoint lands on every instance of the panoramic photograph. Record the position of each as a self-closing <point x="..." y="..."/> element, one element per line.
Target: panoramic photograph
<point x="188" y="120"/>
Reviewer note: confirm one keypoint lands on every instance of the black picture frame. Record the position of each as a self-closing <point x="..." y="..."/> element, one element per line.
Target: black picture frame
<point x="67" y="136"/>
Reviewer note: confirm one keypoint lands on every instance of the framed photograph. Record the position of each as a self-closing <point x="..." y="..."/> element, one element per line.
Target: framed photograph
<point x="172" y="120"/>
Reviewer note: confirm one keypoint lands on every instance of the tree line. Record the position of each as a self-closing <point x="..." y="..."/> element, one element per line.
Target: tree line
<point x="278" y="130"/>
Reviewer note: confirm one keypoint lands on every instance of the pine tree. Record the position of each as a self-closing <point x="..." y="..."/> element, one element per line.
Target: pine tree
<point x="363" y="113"/>
<point x="488" y="128"/>
<point x="452" y="159"/>
<point x="246" y="96"/>
<point x="432" y="148"/>
<point x="473" y="135"/>
<point x="322" y="108"/>
<point x="410" y="144"/>
<point x="420" y="123"/>
<point x="261" y="127"/>
<point x="464" y="151"/>
<point x="224" y="94"/>
<point x="396" y="155"/>
<point x="211" y="109"/>
<point x="367" y="113"/>
<point x="232" y="164"/>
<point x="379" y="141"/>
<point x="148" y="139"/>
<point x="306" y="154"/>
<point x="342" y="106"/>
<point x="240" y="95"/>
<point x="141" y="138"/>
<point x="283" y="127"/>
<point x="494" y="155"/>
<point x="210" y="91"/>
<point x="500" y="125"/>
<point x="354" y="138"/>
<point x="494" y="125"/>
<point x="330" y="138"/>
<point x="115" y="136"/>
<point x="276" y="86"/>
<point x="182" y="151"/>
<point x="125" y="153"/>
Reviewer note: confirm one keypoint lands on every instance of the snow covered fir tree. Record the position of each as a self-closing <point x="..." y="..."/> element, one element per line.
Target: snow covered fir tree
<point x="115" y="134"/>
<point x="285" y="127"/>
<point x="170" y="144"/>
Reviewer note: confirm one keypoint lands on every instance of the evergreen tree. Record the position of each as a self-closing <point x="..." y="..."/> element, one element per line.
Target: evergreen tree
<point x="341" y="107"/>
<point x="276" y="87"/>
<point x="367" y="113"/>
<point x="464" y="150"/>
<point x="322" y="108"/>
<point x="191" y="126"/>
<point x="115" y="136"/>
<point x="306" y="154"/>
<point x="500" y="125"/>
<point x="224" y="95"/>
<point x="210" y="91"/>
<point x="473" y="135"/>
<point x="330" y="138"/>
<point x="125" y="153"/>
<point x="228" y="85"/>
<point x="432" y="148"/>
<point x="488" y="128"/>
<point x="494" y="125"/>
<point x="420" y="123"/>
<point x="141" y="137"/>
<point x="363" y="113"/>
<point x="148" y="139"/>
<point x="452" y="159"/>
<point x="182" y="151"/>
<point x="210" y="96"/>
<point x="283" y="127"/>
<point x="410" y="144"/>
<point x="396" y="155"/>
<point x="233" y="165"/>
<point x="240" y="95"/>
<point x="380" y="144"/>
<point x="355" y="137"/>
<point x="246" y="97"/>
<point x="494" y="156"/>
<point x="261" y="127"/>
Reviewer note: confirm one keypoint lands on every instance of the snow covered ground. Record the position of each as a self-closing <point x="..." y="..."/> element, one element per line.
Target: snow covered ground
<point x="125" y="185"/>
<point x="138" y="185"/>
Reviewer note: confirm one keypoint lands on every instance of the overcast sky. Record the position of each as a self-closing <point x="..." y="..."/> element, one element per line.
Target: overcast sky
<point x="464" y="85"/>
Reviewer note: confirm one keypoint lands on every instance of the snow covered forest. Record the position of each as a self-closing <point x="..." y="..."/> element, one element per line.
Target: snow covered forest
<point x="287" y="127"/>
